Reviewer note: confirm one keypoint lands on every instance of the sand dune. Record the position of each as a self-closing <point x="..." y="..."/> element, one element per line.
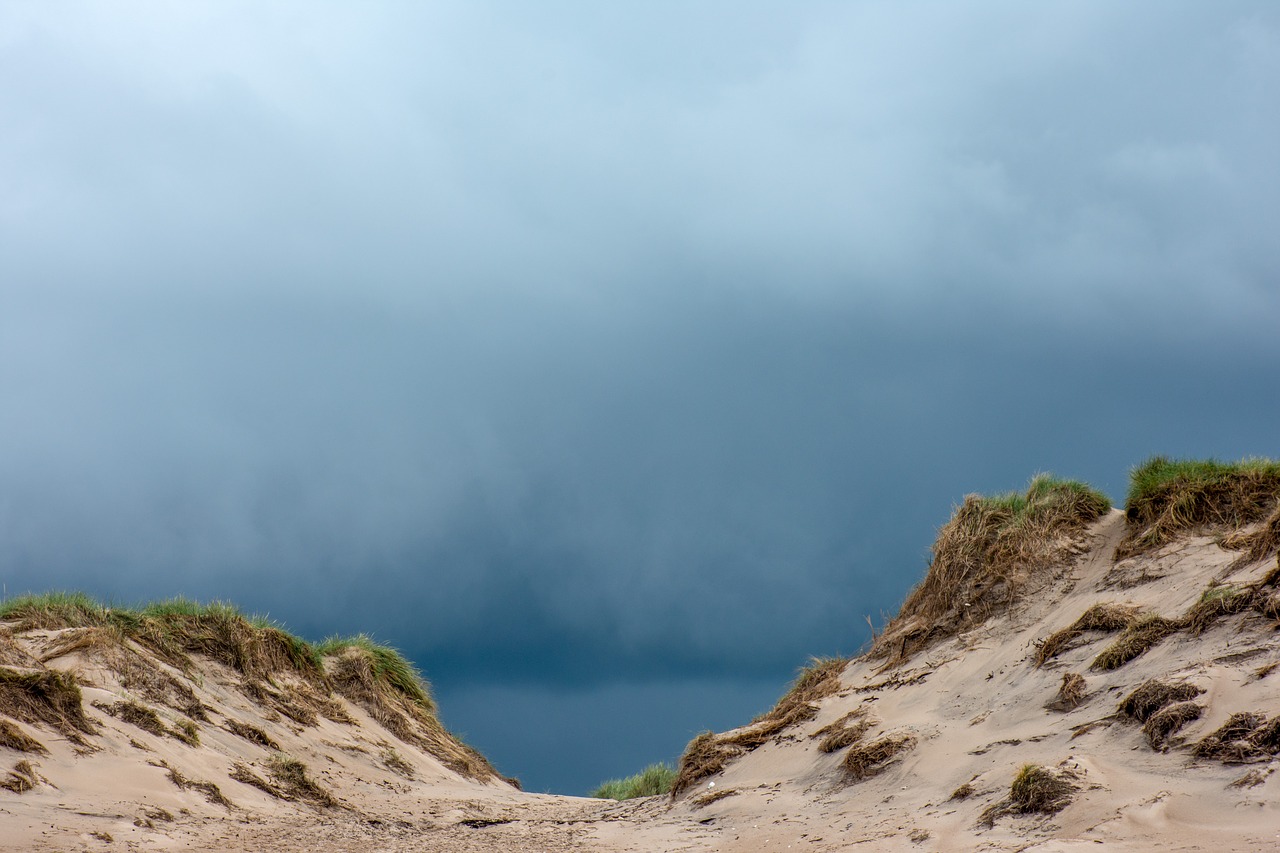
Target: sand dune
<point x="891" y="751"/>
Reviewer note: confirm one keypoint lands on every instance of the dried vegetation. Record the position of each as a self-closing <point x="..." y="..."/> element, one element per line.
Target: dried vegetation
<point x="1168" y="498"/>
<point x="986" y="556"/>
<point x="1035" y="790"/>
<point x="864" y="761"/>
<point x="1103" y="617"/>
<point x="709" y="753"/>
<point x="283" y="674"/>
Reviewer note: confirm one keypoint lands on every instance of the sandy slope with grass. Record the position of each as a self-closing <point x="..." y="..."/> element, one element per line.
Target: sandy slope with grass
<point x="1067" y="677"/>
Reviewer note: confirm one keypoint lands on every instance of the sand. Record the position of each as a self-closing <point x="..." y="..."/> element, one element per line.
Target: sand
<point x="974" y="706"/>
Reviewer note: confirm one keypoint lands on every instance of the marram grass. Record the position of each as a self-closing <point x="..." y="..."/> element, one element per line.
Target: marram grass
<point x="654" y="780"/>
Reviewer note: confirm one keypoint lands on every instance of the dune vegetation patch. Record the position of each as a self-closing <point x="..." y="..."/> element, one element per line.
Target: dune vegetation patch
<point x="1245" y="736"/>
<point x="1103" y="618"/>
<point x="654" y="780"/>
<point x="20" y="779"/>
<point x="866" y="760"/>
<point x="709" y="753"/>
<point x="1164" y="723"/>
<point x="1142" y="634"/>
<point x="1153" y="694"/>
<point x="985" y="557"/>
<point x="1034" y="790"/>
<point x="1071" y="693"/>
<point x="47" y="697"/>
<point x="280" y="672"/>
<point x="1216" y="602"/>
<point x="13" y="737"/>
<point x="1174" y="497"/>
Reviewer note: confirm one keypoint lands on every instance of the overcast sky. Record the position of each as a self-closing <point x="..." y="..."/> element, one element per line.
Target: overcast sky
<point x="610" y="359"/>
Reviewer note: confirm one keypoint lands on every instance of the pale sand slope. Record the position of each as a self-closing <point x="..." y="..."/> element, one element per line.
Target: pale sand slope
<point x="975" y="706"/>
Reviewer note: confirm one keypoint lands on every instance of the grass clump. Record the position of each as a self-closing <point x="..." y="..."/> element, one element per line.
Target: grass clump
<point x="1038" y="789"/>
<point x="1216" y="602"/>
<point x="652" y="781"/>
<point x="1071" y="693"/>
<point x="1103" y="617"/>
<point x="706" y="755"/>
<point x="1152" y="695"/>
<point x="12" y="737"/>
<point x="865" y="761"/>
<point x="1141" y="635"/>
<point x="1035" y="790"/>
<point x="253" y="734"/>
<point x="709" y="753"/>
<point x="380" y="680"/>
<point x="50" y="698"/>
<point x="984" y="557"/>
<point x="21" y="778"/>
<point x="1164" y="723"/>
<point x="1240" y="739"/>
<point x="1171" y="497"/>
<point x="386" y="666"/>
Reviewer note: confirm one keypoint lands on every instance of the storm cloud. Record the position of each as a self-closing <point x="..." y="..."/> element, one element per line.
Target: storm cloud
<point x="610" y="360"/>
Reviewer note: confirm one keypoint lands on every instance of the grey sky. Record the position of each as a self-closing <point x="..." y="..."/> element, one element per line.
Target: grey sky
<point x="632" y="351"/>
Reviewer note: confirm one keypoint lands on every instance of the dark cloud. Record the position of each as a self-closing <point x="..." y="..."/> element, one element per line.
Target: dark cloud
<point x="588" y="354"/>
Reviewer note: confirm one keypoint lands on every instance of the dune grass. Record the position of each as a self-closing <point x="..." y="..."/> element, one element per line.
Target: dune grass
<point x="654" y="780"/>
<point x="386" y="663"/>
<point x="1169" y="497"/>
<point x="374" y="676"/>
<point x="985" y="555"/>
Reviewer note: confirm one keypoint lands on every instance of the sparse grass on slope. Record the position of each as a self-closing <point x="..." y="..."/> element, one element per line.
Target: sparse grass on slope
<point x="709" y="753"/>
<point x="1169" y="497"/>
<point x="653" y="780"/>
<point x="985" y="555"/>
<point x="371" y="675"/>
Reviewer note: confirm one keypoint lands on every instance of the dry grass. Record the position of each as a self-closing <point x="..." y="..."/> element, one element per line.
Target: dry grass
<point x="704" y="800"/>
<point x="1152" y="695"/>
<point x="1168" y="498"/>
<point x="1267" y="736"/>
<point x="1165" y="722"/>
<point x="1104" y="617"/>
<point x="1232" y="742"/>
<point x="1071" y="693"/>
<point x="12" y="737"/>
<point x="279" y="671"/>
<point x="50" y="698"/>
<point x="393" y="762"/>
<point x="964" y="792"/>
<point x="402" y="707"/>
<point x="984" y="558"/>
<point x="253" y="734"/>
<point x="1256" y="545"/>
<point x="1035" y="790"/>
<point x="1141" y="635"/>
<point x="1216" y="602"/>
<point x="845" y="736"/>
<point x="291" y="776"/>
<point x="706" y="755"/>
<point x="709" y="753"/>
<point x="863" y="762"/>
<point x="21" y="778"/>
<point x="208" y="790"/>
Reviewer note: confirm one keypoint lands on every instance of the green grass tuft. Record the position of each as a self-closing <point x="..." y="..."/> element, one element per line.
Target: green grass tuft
<point x="654" y="780"/>
<point x="387" y="664"/>
<point x="1168" y="497"/>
